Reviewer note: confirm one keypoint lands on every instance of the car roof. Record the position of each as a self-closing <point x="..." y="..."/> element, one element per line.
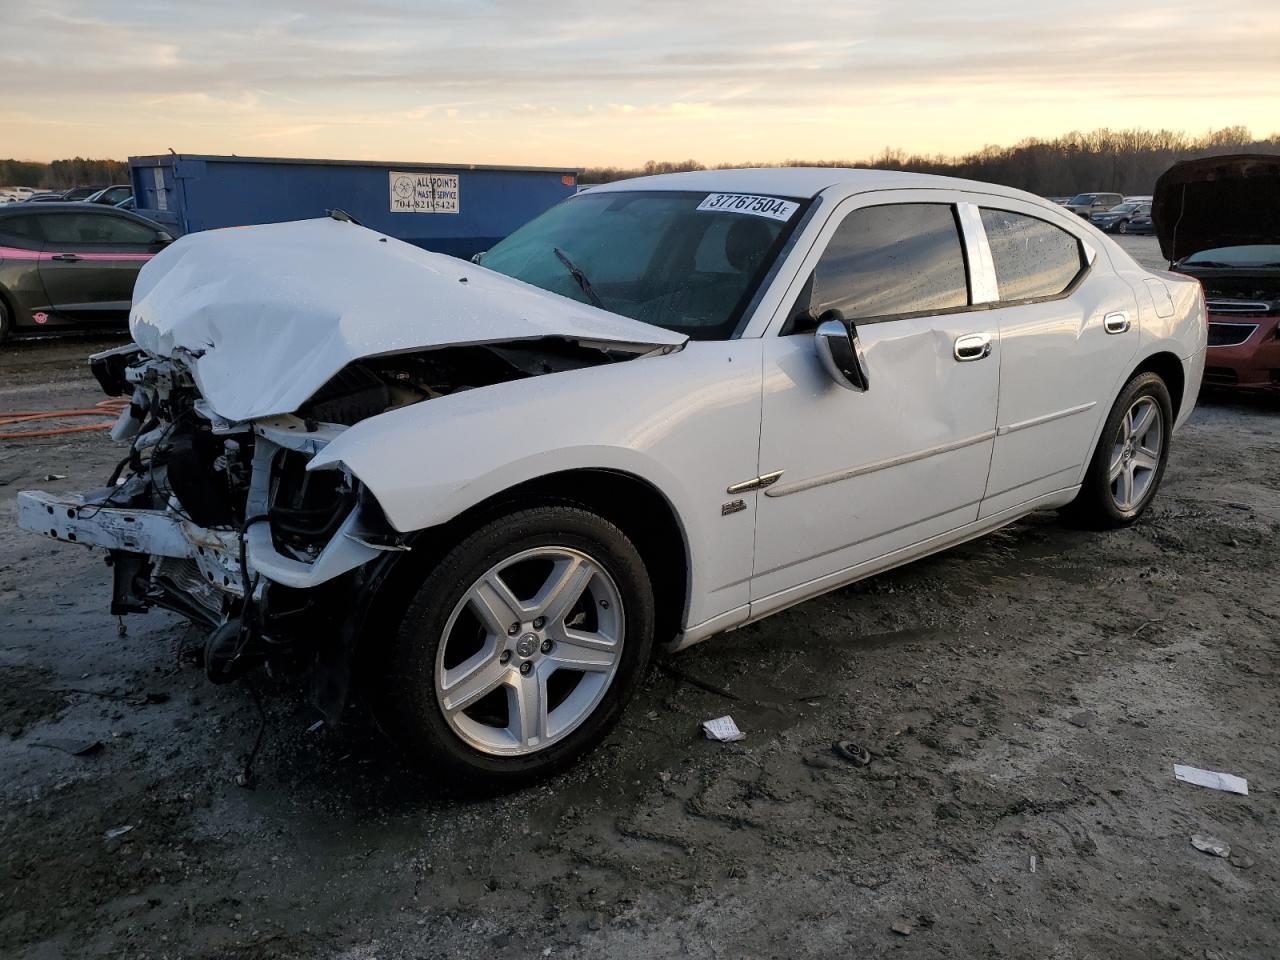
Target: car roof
<point x="805" y="182"/>
<point x="79" y="206"/>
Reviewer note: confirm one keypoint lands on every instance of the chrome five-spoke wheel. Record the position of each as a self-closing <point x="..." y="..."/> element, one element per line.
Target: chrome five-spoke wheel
<point x="529" y="650"/>
<point x="1135" y="454"/>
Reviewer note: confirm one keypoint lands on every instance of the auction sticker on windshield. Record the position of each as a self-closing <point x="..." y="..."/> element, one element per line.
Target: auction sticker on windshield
<point x="424" y="192"/>
<point x="774" y="208"/>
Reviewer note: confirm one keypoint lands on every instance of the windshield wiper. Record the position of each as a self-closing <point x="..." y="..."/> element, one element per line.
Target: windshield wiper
<point x="579" y="277"/>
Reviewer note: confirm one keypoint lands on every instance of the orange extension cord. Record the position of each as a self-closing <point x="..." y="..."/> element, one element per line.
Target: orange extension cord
<point x="104" y="408"/>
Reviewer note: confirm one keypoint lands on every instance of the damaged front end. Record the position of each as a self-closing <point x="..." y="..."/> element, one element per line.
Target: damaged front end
<point x="256" y="348"/>
<point x="226" y="523"/>
<point x="219" y="521"/>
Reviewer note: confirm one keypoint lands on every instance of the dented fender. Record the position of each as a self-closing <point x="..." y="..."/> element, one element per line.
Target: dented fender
<point x="685" y="423"/>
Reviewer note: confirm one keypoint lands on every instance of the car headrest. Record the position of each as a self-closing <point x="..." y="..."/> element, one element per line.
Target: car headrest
<point x="746" y="243"/>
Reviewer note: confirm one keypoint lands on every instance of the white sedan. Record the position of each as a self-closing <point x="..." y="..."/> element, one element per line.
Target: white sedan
<point x="665" y="408"/>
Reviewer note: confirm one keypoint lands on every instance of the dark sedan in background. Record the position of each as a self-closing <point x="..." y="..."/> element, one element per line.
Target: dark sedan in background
<point x="71" y="265"/>
<point x="1121" y="219"/>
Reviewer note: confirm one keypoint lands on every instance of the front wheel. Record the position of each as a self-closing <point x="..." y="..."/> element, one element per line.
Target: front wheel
<point x="1130" y="458"/>
<point x="6" y="321"/>
<point x="1123" y="226"/>
<point x="520" y="649"/>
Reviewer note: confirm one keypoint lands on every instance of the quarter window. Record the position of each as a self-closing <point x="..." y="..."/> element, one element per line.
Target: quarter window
<point x="88" y="228"/>
<point x="891" y="260"/>
<point x="1033" y="258"/>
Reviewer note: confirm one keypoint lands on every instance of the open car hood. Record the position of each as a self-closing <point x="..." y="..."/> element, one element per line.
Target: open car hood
<point x="266" y="315"/>
<point x="1217" y="202"/>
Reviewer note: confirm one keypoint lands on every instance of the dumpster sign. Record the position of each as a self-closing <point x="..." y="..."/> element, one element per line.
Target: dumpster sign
<point x="424" y="192"/>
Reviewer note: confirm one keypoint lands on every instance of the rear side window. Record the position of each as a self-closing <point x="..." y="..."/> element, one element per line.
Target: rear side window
<point x="1033" y="258"/>
<point x="90" y="229"/>
<point x="891" y="260"/>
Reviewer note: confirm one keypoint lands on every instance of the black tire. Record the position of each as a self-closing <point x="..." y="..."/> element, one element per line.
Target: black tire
<point x="408" y="708"/>
<point x="1096" y="506"/>
<point x="1122" y="226"/>
<point x="6" y="320"/>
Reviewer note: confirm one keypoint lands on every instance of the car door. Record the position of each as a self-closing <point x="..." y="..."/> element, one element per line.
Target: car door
<point x="1068" y="332"/>
<point x="21" y="246"/>
<point x="851" y="476"/>
<point x="91" y="261"/>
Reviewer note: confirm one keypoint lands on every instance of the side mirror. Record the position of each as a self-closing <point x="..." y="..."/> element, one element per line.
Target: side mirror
<point x="478" y="257"/>
<point x="840" y="351"/>
<point x="162" y="238"/>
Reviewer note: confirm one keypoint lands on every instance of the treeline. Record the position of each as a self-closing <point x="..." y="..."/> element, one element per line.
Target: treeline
<point x="1123" y="161"/>
<point x="62" y="174"/>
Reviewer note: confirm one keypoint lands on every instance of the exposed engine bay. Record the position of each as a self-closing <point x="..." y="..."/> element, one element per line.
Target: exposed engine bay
<point x="223" y="522"/>
<point x="1238" y="292"/>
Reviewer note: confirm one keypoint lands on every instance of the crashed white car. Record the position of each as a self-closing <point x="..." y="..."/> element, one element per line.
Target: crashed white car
<point x="664" y="409"/>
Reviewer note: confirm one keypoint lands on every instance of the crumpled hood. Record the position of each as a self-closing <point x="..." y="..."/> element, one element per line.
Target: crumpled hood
<point x="1217" y="202"/>
<point x="271" y="313"/>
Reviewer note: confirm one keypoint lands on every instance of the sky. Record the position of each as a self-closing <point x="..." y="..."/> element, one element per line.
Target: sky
<point x="584" y="84"/>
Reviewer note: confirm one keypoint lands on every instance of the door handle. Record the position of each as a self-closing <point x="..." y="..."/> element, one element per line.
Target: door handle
<point x="67" y="257"/>
<point x="1116" y="323"/>
<point x="972" y="346"/>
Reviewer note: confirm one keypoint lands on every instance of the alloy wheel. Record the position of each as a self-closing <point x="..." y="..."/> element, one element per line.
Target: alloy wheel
<point x="1135" y="453"/>
<point x="529" y="651"/>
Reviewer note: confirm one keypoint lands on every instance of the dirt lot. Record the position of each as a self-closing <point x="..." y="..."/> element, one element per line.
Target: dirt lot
<point x="1026" y="697"/>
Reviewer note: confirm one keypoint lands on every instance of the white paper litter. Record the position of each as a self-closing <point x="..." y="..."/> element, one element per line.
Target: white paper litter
<point x="1208" y="778"/>
<point x="722" y="729"/>
<point x="117" y="832"/>
<point x="1211" y="845"/>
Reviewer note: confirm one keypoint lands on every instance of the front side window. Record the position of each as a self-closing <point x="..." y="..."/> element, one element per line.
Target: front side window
<point x="1033" y="258"/>
<point x="890" y="260"/>
<point x="686" y="261"/>
<point x="84" y="228"/>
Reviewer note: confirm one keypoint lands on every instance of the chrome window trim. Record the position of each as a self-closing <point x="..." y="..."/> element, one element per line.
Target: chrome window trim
<point x="848" y="473"/>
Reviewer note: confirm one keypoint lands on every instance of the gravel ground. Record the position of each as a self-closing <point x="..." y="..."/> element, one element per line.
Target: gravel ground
<point x="1025" y="697"/>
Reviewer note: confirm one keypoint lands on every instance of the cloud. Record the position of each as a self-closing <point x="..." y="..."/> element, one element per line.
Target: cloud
<point x="644" y="76"/>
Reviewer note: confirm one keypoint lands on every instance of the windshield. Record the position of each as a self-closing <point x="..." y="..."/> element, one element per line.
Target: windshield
<point x="689" y="262"/>
<point x="1124" y="208"/>
<point x="1254" y="255"/>
<point x="1082" y="198"/>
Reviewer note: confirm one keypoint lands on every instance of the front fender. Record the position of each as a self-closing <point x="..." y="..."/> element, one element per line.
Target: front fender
<point x="687" y="423"/>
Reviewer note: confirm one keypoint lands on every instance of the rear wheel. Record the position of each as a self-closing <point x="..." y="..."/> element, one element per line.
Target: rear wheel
<point x="1130" y="458"/>
<point x="521" y="648"/>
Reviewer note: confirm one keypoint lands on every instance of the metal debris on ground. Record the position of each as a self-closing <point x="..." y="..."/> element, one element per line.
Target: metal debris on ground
<point x="115" y="832"/>
<point x="1211" y="779"/>
<point x="855" y="753"/>
<point x="1033" y="863"/>
<point x="722" y="729"/>
<point x="1212" y="845"/>
<point x="76" y="748"/>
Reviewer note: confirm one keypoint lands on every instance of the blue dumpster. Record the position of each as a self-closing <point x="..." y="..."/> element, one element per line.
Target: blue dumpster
<point x="447" y="208"/>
